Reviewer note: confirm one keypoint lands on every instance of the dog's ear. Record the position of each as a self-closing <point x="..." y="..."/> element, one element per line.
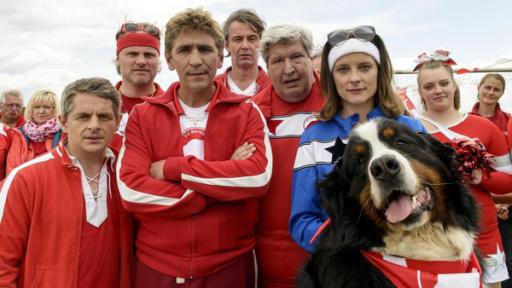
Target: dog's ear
<point x="349" y="228"/>
<point x="331" y="197"/>
<point x="464" y="204"/>
<point x="443" y="151"/>
<point x="332" y="190"/>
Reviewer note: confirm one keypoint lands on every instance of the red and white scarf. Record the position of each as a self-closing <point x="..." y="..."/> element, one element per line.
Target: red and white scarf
<point x="403" y="272"/>
<point x="39" y="133"/>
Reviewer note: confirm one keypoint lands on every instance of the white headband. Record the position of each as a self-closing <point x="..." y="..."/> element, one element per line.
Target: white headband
<point x="352" y="45"/>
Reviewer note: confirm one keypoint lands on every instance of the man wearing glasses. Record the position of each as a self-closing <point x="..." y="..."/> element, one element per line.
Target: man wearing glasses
<point x="242" y="33"/>
<point x="11" y="105"/>
<point x="289" y="106"/>
<point x="137" y="61"/>
<point x="193" y="163"/>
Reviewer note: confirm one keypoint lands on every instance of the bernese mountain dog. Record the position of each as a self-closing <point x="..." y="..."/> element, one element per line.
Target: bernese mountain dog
<point x="399" y="213"/>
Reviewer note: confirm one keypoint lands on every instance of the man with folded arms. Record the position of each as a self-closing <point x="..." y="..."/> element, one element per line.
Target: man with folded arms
<point x="193" y="164"/>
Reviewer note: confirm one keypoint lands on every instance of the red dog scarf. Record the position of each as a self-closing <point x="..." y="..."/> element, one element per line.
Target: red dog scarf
<point x="408" y="273"/>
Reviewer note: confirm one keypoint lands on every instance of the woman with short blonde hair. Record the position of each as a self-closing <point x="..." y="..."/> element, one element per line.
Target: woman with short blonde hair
<point x="41" y="132"/>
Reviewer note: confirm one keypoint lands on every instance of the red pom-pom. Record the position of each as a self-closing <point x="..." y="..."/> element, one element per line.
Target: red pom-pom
<point x="471" y="155"/>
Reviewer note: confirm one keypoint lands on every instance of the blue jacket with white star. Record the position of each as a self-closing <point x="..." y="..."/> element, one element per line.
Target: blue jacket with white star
<point x="313" y="162"/>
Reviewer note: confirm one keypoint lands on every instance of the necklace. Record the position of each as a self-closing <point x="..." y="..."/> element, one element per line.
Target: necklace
<point x="94" y="179"/>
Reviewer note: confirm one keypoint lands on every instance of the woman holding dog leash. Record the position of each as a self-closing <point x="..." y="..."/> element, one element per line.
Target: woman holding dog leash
<point x="440" y="96"/>
<point x="356" y="75"/>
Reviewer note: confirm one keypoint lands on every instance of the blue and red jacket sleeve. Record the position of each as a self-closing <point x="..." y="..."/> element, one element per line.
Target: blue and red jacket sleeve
<point x="306" y="214"/>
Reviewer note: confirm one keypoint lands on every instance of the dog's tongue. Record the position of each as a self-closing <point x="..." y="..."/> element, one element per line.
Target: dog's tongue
<point x="399" y="209"/>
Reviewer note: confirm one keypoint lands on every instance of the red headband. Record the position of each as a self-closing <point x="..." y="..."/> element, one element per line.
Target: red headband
<point x="137" y="39"/>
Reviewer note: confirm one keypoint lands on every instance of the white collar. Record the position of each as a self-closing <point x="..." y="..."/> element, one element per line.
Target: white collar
<point x="249" y="91"/>
<point x="96" y="209"/>
<point x="109" y="156"/>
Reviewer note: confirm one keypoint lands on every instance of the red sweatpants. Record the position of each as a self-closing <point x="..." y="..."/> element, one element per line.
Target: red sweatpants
<point x="240" y="274"/>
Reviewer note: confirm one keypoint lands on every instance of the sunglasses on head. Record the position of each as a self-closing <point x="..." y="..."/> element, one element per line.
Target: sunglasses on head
<point x="139" y="27"/>
<point x="337" y="37"/>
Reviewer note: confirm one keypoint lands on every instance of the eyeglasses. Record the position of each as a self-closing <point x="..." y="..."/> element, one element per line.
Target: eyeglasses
<point x="139" y="27"/>
<point x="337" y="37"/>
<point x="13" y="106"/>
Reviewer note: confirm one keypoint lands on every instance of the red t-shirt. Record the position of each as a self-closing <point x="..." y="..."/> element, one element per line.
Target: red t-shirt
<point x="127" y="103"/>
<point x="98" y="265"/>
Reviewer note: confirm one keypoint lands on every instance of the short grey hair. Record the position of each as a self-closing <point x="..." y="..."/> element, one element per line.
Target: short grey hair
<point x="284" y="34"/>
<point x="11" y="92"/>
<point x="96" y="86"/>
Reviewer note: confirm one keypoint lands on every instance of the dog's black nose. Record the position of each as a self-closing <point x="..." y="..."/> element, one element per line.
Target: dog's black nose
<point x="385" y="168"/>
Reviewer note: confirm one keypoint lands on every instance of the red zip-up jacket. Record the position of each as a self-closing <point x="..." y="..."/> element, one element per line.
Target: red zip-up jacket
<point x="41" y="214"/>
<point x="279" y="258"/>
<point x="262" y="80"/>
<point x="20" y="150"/>
<point x="499" y="119"/>
<point x="509" y="132"/>
<point x="5" y="144"/>
<point x="203" y="216"/>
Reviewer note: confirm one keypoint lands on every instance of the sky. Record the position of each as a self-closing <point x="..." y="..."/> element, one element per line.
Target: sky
<point x="47" y="44"/>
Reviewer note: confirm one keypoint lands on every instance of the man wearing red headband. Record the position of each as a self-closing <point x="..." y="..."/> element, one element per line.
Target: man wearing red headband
<point x="137" y="61"/>
<point x="242" y="33"/>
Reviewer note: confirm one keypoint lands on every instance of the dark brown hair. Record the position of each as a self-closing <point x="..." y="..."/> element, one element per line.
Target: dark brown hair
<point x="385" y="97"/>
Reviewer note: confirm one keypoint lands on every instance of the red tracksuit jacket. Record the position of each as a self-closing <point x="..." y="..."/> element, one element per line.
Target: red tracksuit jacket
<point x="203" y="216"/>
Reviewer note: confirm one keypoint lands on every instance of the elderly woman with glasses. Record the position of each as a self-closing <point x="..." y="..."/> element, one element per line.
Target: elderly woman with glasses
<point x="356" y="76"/>
<point x="39" y="134"/>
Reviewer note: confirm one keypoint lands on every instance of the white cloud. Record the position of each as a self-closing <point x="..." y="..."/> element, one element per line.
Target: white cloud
<point x="49" y="43"/>
<point x="32" y="80"/>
